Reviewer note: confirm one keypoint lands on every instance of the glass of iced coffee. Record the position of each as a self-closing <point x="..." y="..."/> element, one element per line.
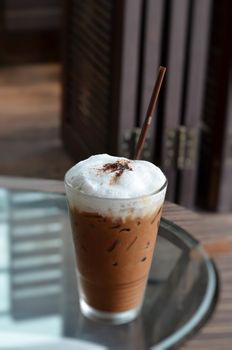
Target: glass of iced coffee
<point x="115" y="206"/>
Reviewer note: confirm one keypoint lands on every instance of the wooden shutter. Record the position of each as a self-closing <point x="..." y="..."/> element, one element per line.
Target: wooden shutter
<point x="225" y="190"/>
<point x="215" y="166"/>
<point x="100" y="75"/>
<point x="175" y="61"/>
<point x="151" y="58"/>
<point x="178" y="39"/>
<point x="197" y="58"/>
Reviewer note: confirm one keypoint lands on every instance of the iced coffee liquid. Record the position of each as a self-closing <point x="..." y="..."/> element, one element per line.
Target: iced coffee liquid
<point x="114" y="257"/>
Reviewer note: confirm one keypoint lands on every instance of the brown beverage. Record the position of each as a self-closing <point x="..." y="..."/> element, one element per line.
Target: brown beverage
<point x="114" y="275"/>
<point x="114" y="243"/>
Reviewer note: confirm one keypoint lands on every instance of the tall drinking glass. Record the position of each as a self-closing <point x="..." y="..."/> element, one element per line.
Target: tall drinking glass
<point x="114" y="241"/>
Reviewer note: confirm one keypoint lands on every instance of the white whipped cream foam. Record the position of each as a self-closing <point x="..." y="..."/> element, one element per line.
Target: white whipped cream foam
<point x="125" y="184"/>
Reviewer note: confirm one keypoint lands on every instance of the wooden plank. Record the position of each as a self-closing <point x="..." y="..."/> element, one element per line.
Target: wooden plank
<point x="216" y="333"/>
<point x="125" y="51"/>
<point x="198" y="55"/>
<point x="215" y="129"/>
<point x="174" y="83"/>
<point x="83" y="40"/>
<point x="225" y="191"/>
<point x="154" y="12"/>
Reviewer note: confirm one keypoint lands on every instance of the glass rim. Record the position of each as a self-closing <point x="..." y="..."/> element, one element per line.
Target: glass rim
<point x="86" y="195"/>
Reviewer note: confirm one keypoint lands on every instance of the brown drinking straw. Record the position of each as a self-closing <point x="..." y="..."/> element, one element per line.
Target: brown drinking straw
<point x="150" y="112"/>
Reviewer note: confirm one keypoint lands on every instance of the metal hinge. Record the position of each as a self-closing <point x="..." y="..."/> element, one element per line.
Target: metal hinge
<point x="129" y="140"/>
<point x="180" y="148"/>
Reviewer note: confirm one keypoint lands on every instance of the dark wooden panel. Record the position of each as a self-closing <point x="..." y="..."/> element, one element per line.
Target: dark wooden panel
<point x="225" y="191"/>
<point x="125" y="71"/>
<point x="194" y="95"/>
<point x="100" y="75"/>
<point x="151" y="59"/>
<point x="214" y="166"/>
<point x="87" y="76"/>
<point x="176" y="53"/>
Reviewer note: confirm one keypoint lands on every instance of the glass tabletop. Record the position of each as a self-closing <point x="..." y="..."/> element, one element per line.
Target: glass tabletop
<point x="38" y="288"/>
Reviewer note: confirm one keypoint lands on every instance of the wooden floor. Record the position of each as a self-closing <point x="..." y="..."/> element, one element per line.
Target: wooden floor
<point x="30" y="143"/>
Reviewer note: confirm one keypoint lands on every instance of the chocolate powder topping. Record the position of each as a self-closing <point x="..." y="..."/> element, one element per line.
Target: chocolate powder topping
<point x="118" y="168"/>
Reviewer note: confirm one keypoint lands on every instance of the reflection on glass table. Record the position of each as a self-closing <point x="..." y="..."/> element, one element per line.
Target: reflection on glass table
<point x="38" y="293"/>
